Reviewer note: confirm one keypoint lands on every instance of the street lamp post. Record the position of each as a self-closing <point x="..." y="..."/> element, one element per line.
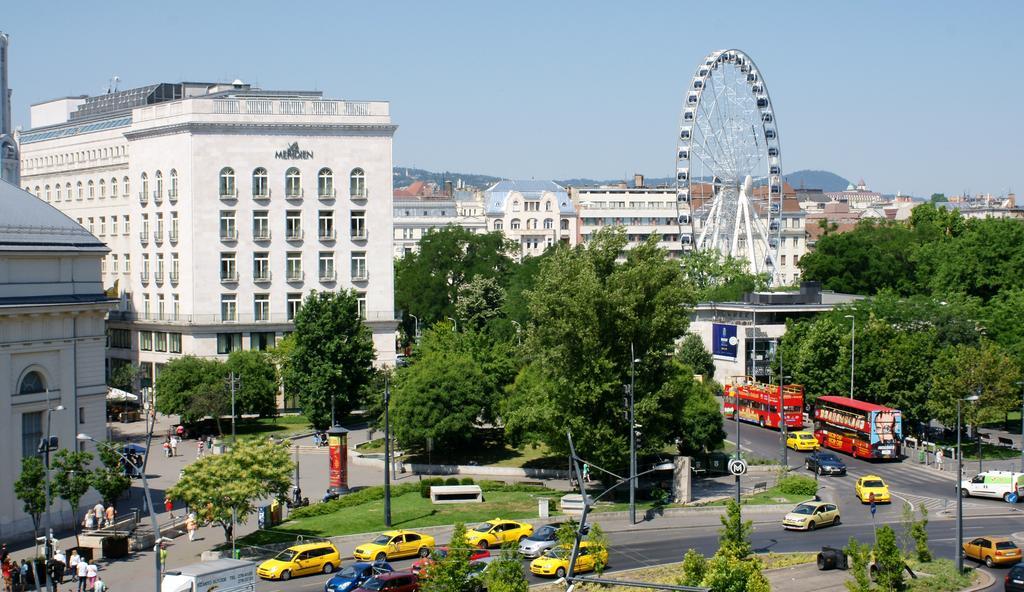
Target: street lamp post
<point x="149" y="499"/>
<point x="632" y="437"/>
<point x="45" y="448"/>
<point x="853" y="347"/>
<point x="519" y="329"/>
<point x="387" y="452"/>
<point x="959" y="494"/>
<point x="416" y="331"/>
<point x="1021" y="383"/>
<point x="455" y="324"/>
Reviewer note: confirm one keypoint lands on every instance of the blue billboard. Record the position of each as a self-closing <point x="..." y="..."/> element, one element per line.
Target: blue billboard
<point x="724" y="341"/>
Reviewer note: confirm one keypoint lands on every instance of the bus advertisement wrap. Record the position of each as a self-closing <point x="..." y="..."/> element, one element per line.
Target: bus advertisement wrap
<point x="886" y="428"/>
<point x="724" y="341"/>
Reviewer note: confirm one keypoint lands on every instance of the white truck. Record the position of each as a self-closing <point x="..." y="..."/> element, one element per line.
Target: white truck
<point x="998" y="484"/>
<point x="220" y="575"/>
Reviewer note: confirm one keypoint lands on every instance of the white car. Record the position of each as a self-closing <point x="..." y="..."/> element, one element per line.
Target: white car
<point x="997" y="484"/>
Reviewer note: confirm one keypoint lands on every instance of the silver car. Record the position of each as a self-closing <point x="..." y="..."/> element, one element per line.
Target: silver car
<point x="542" y="539"/>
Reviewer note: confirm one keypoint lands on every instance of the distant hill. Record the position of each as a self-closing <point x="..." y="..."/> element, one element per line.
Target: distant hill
<point x="404" y="176"/>
<point x="824" y="180"/>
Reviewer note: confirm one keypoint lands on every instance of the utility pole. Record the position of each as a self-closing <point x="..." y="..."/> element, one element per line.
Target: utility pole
<point x="387" y="452"/>
<point x="632" y="438"/>
<point x="782" y="405"/>
<point x="233" y="381"/>
<point x="853" y="348"/>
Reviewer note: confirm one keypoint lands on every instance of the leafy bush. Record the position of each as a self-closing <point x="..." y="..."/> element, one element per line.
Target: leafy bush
<point x="860" y="557"/>
<point x="466" y="481"/>
<point x="798" y="485"/>
<point x="352" y="499"/>
<point x="451" y="481"/>
<point x="427" y="483"/>
<point x="695" y="567"/>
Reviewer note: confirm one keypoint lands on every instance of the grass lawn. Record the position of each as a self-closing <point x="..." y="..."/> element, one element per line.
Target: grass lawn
<point x="988" y="451"/>
<point x="407" y="511"/>
<point x="772" y="496"/>
<point x="943" y="577"/>
<point x="284" y="426"/>
<point x="488" y="448"/>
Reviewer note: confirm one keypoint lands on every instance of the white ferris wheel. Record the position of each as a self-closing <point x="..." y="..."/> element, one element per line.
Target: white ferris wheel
<point x="728" y="163"/>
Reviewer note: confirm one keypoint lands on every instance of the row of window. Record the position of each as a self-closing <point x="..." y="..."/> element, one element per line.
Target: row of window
<point x="258" y="340"/>
<point x="531" y="224"/>
<point x="293" y="267"/>
<point x="89" y="190"/>
<point x="293" y="231"/>
<point x="75" y="157"/>
<point x="261" y="307"/>
<point x="160" y="341"/>
<point x="533" y="206"/>
<point x="635" y="221"/>
<point x="227" y="184"/>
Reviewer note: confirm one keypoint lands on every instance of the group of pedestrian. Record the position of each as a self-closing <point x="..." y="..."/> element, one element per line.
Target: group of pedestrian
<point x="99" y="516"/>
<point x="203" y="446"/>
<point x="171" y="445"/>
<point x="27" y="576"/>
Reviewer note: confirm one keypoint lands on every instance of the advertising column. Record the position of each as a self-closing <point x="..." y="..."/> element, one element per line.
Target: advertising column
<point x="337" y="441"/>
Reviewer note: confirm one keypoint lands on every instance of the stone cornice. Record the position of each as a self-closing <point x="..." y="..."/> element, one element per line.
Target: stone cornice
<point x="202" y="127"/>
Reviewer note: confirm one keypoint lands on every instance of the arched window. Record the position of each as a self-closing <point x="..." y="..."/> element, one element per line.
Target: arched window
<point x="260" y="187"/>
<point x="113" y="187"/>
<point x="127" y="191"/>
<point x="565" y="225"/>
<point x="531" y="223"/>
<point x="547" y="206"/>
<point x="173" y="190"/>
<point x="357" y="184"/>
<point x="514" y="224"/>
<point x="145" y="186"/>
<point x="549" y="224"/>
<point x="79" y="191"/>
<point x="56" y="195"/>
<point x="227" y="182"/>
<point x="32" y="382"/>
<point x="292" y="183"/>
<point x="499" y="225"/>
<point x="103" y="188"/>
<point x="159" y="178"/>
<point x="325" y="183"/>
<point x="47" y="190"/>
<point x="515" y="205"/>
<point x="37" y="192"/>
<point x="67" y="187"/>
<point x="92" y="190"/>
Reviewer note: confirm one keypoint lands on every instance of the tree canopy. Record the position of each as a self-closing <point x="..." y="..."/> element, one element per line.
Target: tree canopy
<point x="331" y="354"/>
<point x="192" y="388"/>
<point x="257" y="382"/>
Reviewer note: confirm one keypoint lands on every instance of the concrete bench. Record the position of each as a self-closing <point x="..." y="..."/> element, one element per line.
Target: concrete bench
<point x="456" y="494"/>
<point x="759" y="486"/>
<point x="572" y="503"/>
<point x="1006" y="442"/>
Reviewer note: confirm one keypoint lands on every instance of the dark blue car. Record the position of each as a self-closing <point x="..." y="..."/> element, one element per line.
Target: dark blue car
<point x="350" y="578"/>
<point x="824" y="463"/>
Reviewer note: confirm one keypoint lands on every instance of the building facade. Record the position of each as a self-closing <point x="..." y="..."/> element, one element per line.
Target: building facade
<point x="52" y="341"/>
<point x="533" y="214"/>
<point x="9" y="161"/>
<point x="642" y="211"/>
<point x="223" y="206"/>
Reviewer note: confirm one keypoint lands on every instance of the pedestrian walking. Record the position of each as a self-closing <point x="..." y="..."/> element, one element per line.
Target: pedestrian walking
<point x="191" y="526"/>
<point x="586" y="472"/>
<point x="938" y="459"/>
<point x="73" y="562"/>
<point x="5" y="570"/>
<point x="92" y="571"/>
<point x="174" y="446"/>
<point x="163" y="557"/>
<point x="199" y="449"/>
<point x="110" y="513"/>
<point x="60" y="566"/>
<point x="100" y="586"/>
<point x="82" y="574"/>
<point x="167" y="448"/>
<point x="100" y="512"/>
<point x="169" y="505"/>
<point x="89" y="522"/>
<point x="28" y="579"/>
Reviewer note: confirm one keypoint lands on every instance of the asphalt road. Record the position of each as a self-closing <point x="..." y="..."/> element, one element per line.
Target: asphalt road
<point x="641" y="548"/>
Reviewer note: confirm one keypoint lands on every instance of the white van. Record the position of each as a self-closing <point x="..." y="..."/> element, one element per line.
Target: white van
<point x="998" y="484"/>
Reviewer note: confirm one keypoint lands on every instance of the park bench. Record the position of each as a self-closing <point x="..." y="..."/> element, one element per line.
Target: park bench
<point x="759" y="486"/>
<point x="1006" y="442"/>
<point x="456" y="494"/>
<point x="986" y="437"/>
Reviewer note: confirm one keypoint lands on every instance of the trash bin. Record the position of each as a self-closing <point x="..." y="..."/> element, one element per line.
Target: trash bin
<point x="921" y="457"/>
<point x="831" y="558"/>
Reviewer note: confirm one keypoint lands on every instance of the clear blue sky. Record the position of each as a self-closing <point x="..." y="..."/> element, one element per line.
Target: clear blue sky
<point x="913" y="96"/>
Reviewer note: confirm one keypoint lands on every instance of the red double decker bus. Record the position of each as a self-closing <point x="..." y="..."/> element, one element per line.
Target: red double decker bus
<point x="762" y="404"/>
<point x="858" y="428"/>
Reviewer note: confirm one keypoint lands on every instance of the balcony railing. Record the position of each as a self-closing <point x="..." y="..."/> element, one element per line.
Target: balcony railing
<point x="158" y="197"/>
<point x="229" y="194"/>
<point x="144" y="237"/>
<point x="328" y="276"/>
<point x="295" y="194"/>
<point x="158" y="236"/>
<point x="359" y="234"/>
<point x="172" y="196"/>
<point x="229" y="235"/>
<point x="261" y="276"/>
<point x="295" y="276"/>
<point x="261" y="234"/>
<point x="330" y="193"/>
<point x="144" y="276"/>
<point x="360" y="275"/>
<point x="210" y="319"/>
<point x="172" y="236"/>
<point x="143" y="198"/>
<point x="264" y="194"/>
<point x="327" y="235"/>
<point x="363" y="194"/>
<point x="229" y="277"/>
<point x="293" y="234"/>
<point x="173" y="277"/>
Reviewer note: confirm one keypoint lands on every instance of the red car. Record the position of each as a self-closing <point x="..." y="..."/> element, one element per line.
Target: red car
<point x="396" y="581"/>
<point x="440" y="552"/>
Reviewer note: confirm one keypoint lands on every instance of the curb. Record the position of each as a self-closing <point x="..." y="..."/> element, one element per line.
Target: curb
<point x="987" y="580"/>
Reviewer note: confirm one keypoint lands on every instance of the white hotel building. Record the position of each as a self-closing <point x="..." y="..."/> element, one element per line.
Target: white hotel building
<point x="222" y="206"/>
<point x="642" y="211"/>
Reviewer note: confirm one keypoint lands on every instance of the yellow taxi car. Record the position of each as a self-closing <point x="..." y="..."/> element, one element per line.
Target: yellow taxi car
<point x="395" y="544"/>
<point x="802" y="440"/>
<point x="497" y="532"/>
<point x="301" y="560"/>
<point x="811" y="515"/>
<point x="555" y="561"/>
<point x="872" y="485"/>
<point x="993" y="550"/>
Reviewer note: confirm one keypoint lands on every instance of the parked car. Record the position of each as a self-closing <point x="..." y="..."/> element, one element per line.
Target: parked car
<point x="992" y="550"/>
<point x="398" y="581"/>
<point x="871" y="487"/>
<point x="824" y="463"/>
<point x="440" y="553"/>
<point x="395" y="544"/>
<point x="541" y="540"/>
<point x="301" y="560"/>
<point x="810" y="515"/>
<point x="497" y="532"/>
<point x="351" y="577"/>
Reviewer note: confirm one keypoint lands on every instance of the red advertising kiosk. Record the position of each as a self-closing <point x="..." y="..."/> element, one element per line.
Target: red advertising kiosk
<point x="337" y="442"/>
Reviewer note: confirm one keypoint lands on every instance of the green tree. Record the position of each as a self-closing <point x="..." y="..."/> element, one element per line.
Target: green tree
<point x="919" y="532"/>
<point x="451" y="572"/>
<point x="713" y="277"/>
<point x="860" y="558"/>
<point x="734" y="537"/>
<point x="217" y="484"/>
<point x="728" y="573"/>
<point x="694" y="569"/>
<point x="519" y="281"/>
<point x="938" y="198"/>
<point x="427" y="282"/>
<point x="983" y="261"/>
<point x="598" y="547"/>
<point x="506" y="573"/>
<point x="873" y="256"/>
<point x="109" y="480"/>
<point x="124" y="377"/>
<point x="889" y="561"/>
<point x="332" y="355"/>
<point x="693" y="353"/>
<point x="30" y="488"/>
<point x="71" y="478"/>
<point x="440" y="397"/>
<point x="985" y="370"/>
<point x="478" y="302"/>
<point x="192" y="388"/>
<point x="701" y="428"/>
<point x="592" y="310"/>
<point x="258" y="382"/>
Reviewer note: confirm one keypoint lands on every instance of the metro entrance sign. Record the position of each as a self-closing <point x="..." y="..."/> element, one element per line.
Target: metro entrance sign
<point x="737" y="466"/>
